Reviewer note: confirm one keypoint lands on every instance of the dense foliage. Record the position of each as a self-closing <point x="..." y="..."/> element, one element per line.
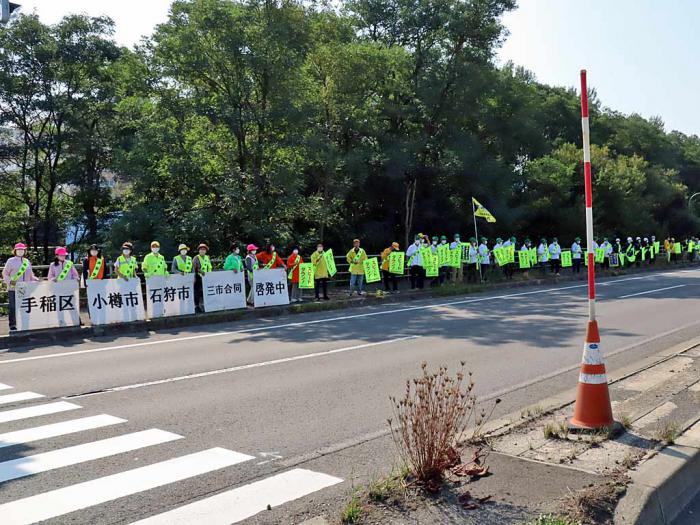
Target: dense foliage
<point x="298" y="121"/>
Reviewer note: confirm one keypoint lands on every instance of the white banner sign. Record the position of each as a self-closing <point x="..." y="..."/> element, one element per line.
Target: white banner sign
<point x="115" y="301"/>
<point x="270" y="287"/>
<point x="46" y="304"/>
<point x="168" y="295"/>
<point x="223" y="291"/>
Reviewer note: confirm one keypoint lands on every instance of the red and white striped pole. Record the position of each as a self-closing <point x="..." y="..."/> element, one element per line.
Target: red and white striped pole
<point x="592" y="409"/>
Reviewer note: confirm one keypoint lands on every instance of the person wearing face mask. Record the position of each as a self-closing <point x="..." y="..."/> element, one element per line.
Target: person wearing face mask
<point x="154" y="263"/>
<point x="201" y="265"/>
<point x="17" y="269"/>
<point x="61" y="269"/>
<point x="458" y="273"/>
<point x="250" y="264"/>
<point x="269" y="259"/>
<point x="94" y="265"/>
<point x="320" y="273"/>
<point x="126" y="264"/>
<point x="233" y="261"/>
<point x="415" y="264"/>
<point x="182" y="263"/>
<point x="391" y="284"/>
<point x="293" y="262"/>
<point x="355" y="257"/>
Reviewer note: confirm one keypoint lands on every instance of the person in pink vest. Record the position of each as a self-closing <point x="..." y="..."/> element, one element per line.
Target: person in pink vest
<point x="60" y="269"/>
<point x="17" y="269"/>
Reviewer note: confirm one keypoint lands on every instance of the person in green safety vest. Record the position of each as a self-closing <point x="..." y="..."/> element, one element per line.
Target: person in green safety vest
<point x="182" y="263"/>
<point x="234" y="261"/>
<point x="201" y="265"/>
<point x="154" y="263"/>
<point x="126" y="264"/>
<point x="61" y="269"/>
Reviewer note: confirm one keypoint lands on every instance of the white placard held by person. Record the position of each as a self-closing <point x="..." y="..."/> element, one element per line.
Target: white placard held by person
<point x="115" y="301"/>
<point x="270" y="287"/>
<point x="46" y="304"/>
<point x="168" y="295"/>
<point x="223" y="291"/>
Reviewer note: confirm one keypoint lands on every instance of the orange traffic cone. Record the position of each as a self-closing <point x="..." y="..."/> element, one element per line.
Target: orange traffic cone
<point x="592" y="409"/>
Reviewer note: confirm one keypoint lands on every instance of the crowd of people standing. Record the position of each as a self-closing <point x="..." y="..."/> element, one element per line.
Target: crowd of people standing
<point x="478" y="262"/>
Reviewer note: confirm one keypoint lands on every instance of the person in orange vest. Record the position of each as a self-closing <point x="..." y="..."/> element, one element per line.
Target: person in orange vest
<point x="269" y="259"/>
<point x="293" y="262"/>
<point x="94" y="265"/>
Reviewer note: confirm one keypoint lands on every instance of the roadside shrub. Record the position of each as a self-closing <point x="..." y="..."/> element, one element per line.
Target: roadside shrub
<point x="430" y="423"/>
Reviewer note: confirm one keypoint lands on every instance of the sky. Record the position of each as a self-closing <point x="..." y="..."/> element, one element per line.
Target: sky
<point x="641" y="55"/>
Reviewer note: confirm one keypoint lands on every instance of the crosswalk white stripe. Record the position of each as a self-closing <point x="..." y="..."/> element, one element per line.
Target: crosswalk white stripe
<point x="243" y="502"/>
<point x="4" y="386"/>
<point x="20" y="396"/>
<point x="18" y="437"/>
<point x="36" y="410"/>
<point x="89" y="493"/>
<point x="29" y="465"/>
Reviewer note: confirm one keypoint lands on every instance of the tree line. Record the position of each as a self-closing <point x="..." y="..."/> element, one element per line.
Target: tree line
<point x="304" y="121"/>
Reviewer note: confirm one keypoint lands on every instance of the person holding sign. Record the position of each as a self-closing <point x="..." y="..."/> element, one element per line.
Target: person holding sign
<point x="391" y="282"/>
<point x="17" y="269"/>
<point x="94" y="265"/>
<point x="154" y="263"/>
<point x="126" y="264"/>
<point x="293" y="262"/>
<point x="269" y="259"/>
<point x="251" y="264"/>
<point x="182" y="263"/>
<point x="233" y="261"/>
<point x="415" y="264"/>
<point x="318" y="259"/>
<point x="356" y="258"/>
<point x="576" y="252"/>
<point x="472" y="260"/>
<point x="60" y="269"/>
<point x="201" y="265"/>
<point x="555" y="256"/>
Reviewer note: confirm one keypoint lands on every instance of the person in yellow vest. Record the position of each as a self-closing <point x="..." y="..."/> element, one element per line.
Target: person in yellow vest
<point x="355" y="258"/>
<point x="391" y="284"/>
<point x="154" y="263"/>
<point x="126" y="264"/>
<point x="201" y="265"/>
<point x="182" y="263"/>
<point x="320" y="273"/>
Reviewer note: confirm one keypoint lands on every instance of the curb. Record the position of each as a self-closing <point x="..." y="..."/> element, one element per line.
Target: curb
<point x="663" y="485"/>
<point x="86" y="332"/>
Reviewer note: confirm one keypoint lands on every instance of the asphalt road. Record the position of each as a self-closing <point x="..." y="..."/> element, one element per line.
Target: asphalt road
<point x="284" y="411"/>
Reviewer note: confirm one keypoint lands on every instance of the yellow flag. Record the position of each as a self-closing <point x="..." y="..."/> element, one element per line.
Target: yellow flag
<point x="482" y="212"/>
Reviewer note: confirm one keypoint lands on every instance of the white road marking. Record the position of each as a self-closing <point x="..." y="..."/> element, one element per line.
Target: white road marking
<point x="89" y="493"/>
<point x="651" y="291"/>
<point x="4" y="387"/>
<point x="318" y="321"/>
<point x="37" y="410"/>
<point x="243" y="502"/>
<point x="243" y="367"/>
<point x="29" y="465"/>
<point x="20" y="396"/>
<point x="28" y="435"/>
